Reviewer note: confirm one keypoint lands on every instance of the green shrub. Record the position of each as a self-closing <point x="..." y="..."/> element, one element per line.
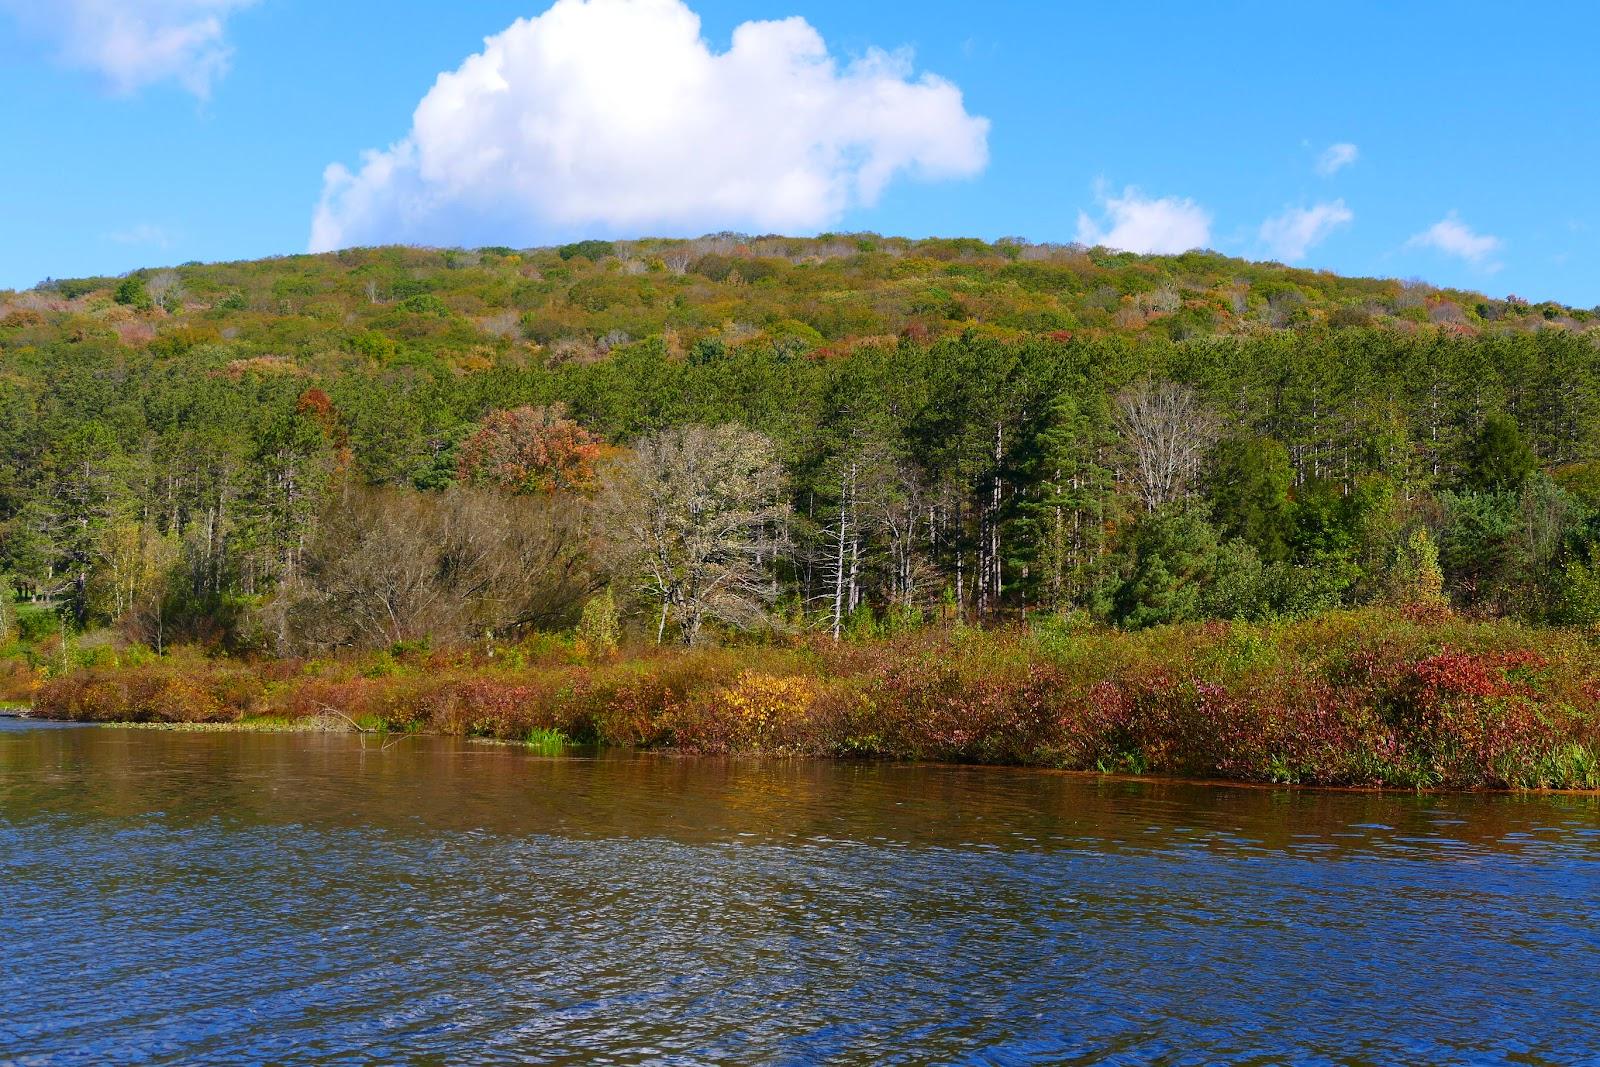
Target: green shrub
<point x="600" y="627"/>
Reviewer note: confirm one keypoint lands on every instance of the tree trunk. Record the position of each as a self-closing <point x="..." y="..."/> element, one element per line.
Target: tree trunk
<point x="838" y="562"/>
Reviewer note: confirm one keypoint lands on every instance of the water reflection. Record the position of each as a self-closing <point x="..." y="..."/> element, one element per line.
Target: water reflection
<point x="173" y="896"/>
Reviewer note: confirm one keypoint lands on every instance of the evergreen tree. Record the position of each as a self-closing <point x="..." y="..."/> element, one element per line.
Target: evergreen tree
<point x="1250" y="479"/>
<point x="1065" y="515"/>
<point x="1171" y="558"/>
<point x="1499" y="459"/>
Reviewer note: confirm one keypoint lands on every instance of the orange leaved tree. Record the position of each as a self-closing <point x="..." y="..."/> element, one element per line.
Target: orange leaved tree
<point x="530" y="450"/>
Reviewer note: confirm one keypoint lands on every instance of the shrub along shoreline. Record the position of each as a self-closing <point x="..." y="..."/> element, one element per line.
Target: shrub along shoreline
<point x="1362" y="698"/>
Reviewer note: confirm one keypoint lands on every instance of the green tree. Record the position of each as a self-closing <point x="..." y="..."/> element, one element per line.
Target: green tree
<point x="131" y="292"/>
<point x="1501" y="549"/>
<point x="285" y="483"/>
<point x="8" y="610"/>
<point x="1072" y="496"/>
<point x="1172" y="554"/>
<point x="1241" y="587"/>
<point x="1249" y="480"/>
<point x="1416" y="577"/>
<point x="1498" y="458"/>
<point x="86" y="483"/>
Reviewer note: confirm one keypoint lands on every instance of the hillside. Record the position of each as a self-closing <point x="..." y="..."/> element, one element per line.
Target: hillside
<point x="257" y="453"/>
<point x="578" y="301"/>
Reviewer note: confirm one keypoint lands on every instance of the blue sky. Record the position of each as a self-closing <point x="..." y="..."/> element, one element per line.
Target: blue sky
<point x="150" y="132"/>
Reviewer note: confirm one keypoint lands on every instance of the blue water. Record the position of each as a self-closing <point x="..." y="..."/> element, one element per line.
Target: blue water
<point x="183" y="898"/>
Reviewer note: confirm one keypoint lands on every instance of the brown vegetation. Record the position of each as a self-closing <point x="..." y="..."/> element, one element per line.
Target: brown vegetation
<point x="1350" y="698"/>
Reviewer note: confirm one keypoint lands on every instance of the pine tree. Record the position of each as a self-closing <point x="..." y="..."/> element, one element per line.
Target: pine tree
<point x="1250" y="479"/>
<point x="1065" y="514"/>
<point x="1499" y="459"/>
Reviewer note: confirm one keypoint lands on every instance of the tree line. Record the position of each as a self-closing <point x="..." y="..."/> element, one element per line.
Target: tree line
<point x="758" y="487"/>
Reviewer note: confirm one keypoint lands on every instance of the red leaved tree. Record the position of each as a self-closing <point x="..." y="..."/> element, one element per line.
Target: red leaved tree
<point x="530" y="450"/>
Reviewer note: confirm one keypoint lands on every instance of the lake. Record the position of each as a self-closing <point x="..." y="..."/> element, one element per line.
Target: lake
<point x="319" y="898"/>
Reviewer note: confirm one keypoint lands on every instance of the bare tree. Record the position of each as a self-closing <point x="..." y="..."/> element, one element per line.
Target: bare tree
<point x="695" y="516"/>
<point x="506" y="324"/>
<point x="678" y="259"/>
<point x="387" y="566"/>
<point x="906" y="517"/>
<point x="862" y="482"/>
<point x="1167" y="432"/>
<point x="162" y="282"/>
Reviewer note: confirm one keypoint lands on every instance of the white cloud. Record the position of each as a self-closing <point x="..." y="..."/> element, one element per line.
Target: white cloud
<point x="135" y="43"/>
<point x="1455" y="238"/>
<point x="142" y="233"/>
<point x="1139" y="224"/>
<point x="1336" y="157"/>
<point x="609" y="116"/>
<point x="1295" y="232"/>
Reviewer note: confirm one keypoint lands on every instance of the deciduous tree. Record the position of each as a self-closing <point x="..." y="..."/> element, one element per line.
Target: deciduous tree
<point x="530" y="450"/>
<point x="1166" y="431"/>
<point x="695" y="516"/>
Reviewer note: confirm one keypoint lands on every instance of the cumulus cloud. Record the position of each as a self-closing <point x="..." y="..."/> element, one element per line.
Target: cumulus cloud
<point x="610" y="116"/>
<point x="1295" y="232"/>
<point x="1135" y="223"/>
<point x="1455" y="238"/>
<point x="135" y="43"/>
<point x="1336" y="157"/>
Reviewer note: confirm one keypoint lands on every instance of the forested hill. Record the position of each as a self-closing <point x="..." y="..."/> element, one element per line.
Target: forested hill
<point x="827" y="293"/>
<point x="900" y="429"/>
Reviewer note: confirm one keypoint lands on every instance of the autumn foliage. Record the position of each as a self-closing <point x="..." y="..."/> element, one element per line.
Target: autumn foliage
<point x="530" y="450"/>
<point x="1350" y="699"/>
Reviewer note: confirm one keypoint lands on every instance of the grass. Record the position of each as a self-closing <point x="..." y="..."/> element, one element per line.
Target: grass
<point x="547" y="742"/>
<point x="256" y="724"/>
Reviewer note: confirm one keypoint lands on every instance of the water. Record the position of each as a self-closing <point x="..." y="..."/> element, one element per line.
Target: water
<point x="181" y="897"/>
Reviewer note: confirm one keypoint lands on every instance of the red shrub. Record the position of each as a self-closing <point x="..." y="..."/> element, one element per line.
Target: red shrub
<point x="1346" y="699"/>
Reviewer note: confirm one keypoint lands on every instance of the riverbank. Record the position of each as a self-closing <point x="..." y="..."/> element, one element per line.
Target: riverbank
<point x="1364" y="698"/>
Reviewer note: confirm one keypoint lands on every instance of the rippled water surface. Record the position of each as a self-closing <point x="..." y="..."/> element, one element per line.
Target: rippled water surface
<point x="182" y="897"/>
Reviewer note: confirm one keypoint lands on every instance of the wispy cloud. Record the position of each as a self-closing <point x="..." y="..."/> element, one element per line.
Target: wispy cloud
<point x="1133" y="222"/>
<point x="1297" y="230"/>
<point x="1455" y="238"/>
<point x="1336" y="157"/>
<point x="142" y="233"/>
<point x="135" y="43"/>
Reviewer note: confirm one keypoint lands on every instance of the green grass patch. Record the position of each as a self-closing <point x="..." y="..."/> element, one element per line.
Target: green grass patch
<point x="548" y="742"/>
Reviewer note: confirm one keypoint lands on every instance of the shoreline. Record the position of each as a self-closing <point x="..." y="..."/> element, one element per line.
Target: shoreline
<point x="1356" y="700"/>
<point x="589" y="751"/>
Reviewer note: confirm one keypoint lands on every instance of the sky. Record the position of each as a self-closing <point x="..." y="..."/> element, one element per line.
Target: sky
<point x="1459" y="144"/>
